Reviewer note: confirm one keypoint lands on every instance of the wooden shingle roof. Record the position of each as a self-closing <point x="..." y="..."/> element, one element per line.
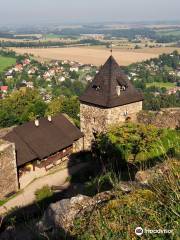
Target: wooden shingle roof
<point x="102" y="91"/>
<point x="32" y="142"/>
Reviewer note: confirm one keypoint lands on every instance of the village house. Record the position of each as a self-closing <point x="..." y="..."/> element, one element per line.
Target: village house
<point x="3" y="91"/>
<point x="61" y="79"/>
<point x="30" y="85"/>
<point x="88" y="78"/>
<point x="32" y="148"/>
<point x="18" y="68"/>
<point x="26" y="62"/>
<point x="74" y="69"/>
<point x="9" y="74"/>
<point x="173" y="90"/>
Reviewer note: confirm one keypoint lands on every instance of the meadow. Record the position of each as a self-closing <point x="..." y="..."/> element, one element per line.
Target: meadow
<point x="166" y="85"/>
<point x="6" y="62"/>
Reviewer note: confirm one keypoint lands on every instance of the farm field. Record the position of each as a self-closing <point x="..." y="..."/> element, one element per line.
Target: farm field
<point x="172" y="32"/>
<point x="94" y="55"/>
<point x="6" y="62"/>
<point x="167" y="85"/>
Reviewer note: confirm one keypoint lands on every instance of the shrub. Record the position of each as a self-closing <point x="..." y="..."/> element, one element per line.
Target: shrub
<point x="134" y="143"/>
<point x="43" y="193"/>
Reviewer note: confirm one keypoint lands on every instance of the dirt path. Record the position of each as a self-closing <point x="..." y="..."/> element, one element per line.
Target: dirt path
<point x="27" y="196"/>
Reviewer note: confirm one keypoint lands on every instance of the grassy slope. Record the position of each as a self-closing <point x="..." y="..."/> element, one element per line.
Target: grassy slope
<point x="155" y="208"/>
<point x="6" y="62"/>
<point x="169" y="142"/>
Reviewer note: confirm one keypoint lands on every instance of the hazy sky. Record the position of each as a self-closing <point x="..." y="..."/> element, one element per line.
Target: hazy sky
<point x="68" y="11"/>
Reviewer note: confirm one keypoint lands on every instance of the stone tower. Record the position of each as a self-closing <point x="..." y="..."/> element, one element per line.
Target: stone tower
<point x="109" y="99"/>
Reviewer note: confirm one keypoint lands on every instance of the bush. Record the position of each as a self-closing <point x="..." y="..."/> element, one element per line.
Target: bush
<point x="43" y="193"/>
<point x="136" y="144"/>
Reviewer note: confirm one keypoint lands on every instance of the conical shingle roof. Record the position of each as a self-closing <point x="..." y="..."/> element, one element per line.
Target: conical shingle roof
<point x="103" y="90"/>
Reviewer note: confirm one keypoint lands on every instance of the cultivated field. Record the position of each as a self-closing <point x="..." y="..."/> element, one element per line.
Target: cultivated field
<point x="94" y="55"/>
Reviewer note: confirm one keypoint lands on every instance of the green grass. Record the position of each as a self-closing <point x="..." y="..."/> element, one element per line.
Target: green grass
<point x="6" y="62"/>
<point x="154" y="208"/>
<point x="167" y="85"/>
<point x="168" y="142"/>
<point x="43" y="193"/>
<point x="2" y="202"/>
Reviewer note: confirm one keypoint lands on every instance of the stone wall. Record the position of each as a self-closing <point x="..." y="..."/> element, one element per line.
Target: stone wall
<point x="8" y="169"/>
<point x="97" y="119"/>
<point x="165" y="118"/>
<point x="78" y="145"/>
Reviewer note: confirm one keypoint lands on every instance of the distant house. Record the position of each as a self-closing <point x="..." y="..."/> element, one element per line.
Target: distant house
<point x="4" y="89"/>
<point x="41" y="144"/>
<point x="30" y="85"/>
<point x="9" y="74"/>
<point x="89" y="78"/>
<point x="18" y="68"/>
<point x="173" y="90"/>
<point x="133" y="74"/>
<point x="61" y="79"/>
<point x="32" y="70"/>
<point x="74" y="69"/>
<point x="26" y="62"/>
<point x="46" y="75"/>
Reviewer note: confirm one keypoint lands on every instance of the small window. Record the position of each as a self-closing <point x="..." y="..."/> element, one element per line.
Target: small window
<point x="96" y="87"/>
<point x="94" y="120"/>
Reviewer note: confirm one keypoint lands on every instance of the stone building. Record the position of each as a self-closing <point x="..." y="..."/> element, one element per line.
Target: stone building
<point x="109" y="99"/>
<point x="28" y="151"/>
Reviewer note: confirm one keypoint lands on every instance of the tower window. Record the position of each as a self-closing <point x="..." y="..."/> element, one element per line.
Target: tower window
<point x="123" y="88"/>
<point x="96" y="87"/>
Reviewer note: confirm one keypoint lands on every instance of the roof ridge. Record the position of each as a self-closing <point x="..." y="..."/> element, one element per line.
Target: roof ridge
<point x="110" y="79"/>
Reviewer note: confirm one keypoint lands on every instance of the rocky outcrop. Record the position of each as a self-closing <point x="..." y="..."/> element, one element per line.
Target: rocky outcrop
<point x="146" y="177"/>
<point x="63" y="213"/>
<point x="166" y="118"/>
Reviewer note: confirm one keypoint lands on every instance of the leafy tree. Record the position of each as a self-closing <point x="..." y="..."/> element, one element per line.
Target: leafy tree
<point x="20" y="106"/>
<point x="55" y="106"/>
<point x="69" y="106"/>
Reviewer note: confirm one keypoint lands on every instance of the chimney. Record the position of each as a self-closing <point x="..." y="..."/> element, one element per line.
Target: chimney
<point x="36" y="122"/>
<point x="50" y="118"/>
<point x="118" y="90"/>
